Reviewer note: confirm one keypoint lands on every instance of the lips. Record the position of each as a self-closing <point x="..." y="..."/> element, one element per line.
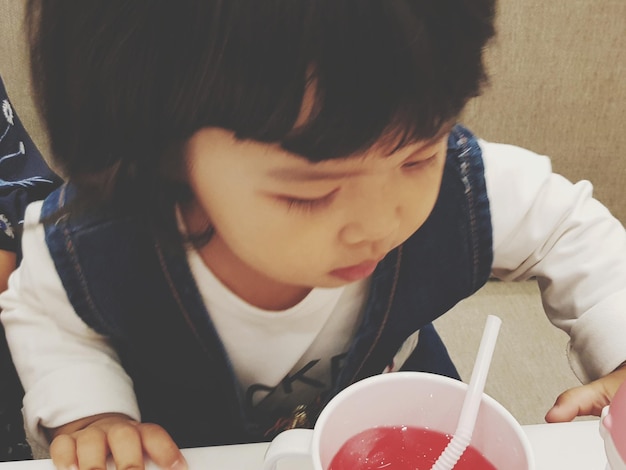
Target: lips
<point x="356" y="272"/>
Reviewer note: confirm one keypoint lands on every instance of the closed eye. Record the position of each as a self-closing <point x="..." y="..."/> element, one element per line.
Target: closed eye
<point x="308" y="204"/>
<point x="417" y="164"/>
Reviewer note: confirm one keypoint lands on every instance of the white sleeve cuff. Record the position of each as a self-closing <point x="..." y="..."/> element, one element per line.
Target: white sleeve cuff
<point x="79" y="391"/>
<point x="597" y="345"/>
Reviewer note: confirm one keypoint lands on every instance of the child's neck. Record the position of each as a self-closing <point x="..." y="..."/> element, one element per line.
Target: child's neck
<point x="248" y="284"/>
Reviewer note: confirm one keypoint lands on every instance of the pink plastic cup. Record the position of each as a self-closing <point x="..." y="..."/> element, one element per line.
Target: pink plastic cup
<point x="613" y="430"/>
<point x="404" y="399"/>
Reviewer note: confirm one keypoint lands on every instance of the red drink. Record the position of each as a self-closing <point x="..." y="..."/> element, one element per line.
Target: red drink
<point x="401" y="448"/>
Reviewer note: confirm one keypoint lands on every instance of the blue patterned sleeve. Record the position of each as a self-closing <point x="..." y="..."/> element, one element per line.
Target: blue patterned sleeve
<point x="24" y="174"/>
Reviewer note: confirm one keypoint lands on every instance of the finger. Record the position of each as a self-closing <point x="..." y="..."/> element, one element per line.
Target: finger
<point x="125" y="445"/>
<point x="561" y="413"/>
<point x="160" y="447"/>
<point x="578" y="401"/>
<point x="63" y="452"/>
<point x="91" y="449"/>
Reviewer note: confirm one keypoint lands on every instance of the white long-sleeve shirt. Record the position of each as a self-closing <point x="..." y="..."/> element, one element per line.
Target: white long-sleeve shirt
<point x="543" y="226"/>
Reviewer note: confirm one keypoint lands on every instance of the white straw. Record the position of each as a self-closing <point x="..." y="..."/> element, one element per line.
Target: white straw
<point x="471" y="404"/>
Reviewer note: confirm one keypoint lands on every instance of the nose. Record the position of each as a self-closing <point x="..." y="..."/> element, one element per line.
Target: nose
<point x="374" y="220"/>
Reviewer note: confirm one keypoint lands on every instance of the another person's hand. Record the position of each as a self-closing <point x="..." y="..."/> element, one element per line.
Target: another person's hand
<point x="7" y="266"/>
<point x="87" y="443"/>
<point x="587" y="400"/>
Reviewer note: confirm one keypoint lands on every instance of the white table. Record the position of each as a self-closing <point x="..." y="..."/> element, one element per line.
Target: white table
<point x="563" y="446"/>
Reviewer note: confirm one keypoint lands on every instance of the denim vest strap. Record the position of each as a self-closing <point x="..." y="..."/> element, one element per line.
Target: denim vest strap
<point x="144" y="299"/>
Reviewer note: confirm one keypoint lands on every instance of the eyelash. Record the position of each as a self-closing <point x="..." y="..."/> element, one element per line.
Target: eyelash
<point x="415" y="165"/>
<point x="308" y="205"/>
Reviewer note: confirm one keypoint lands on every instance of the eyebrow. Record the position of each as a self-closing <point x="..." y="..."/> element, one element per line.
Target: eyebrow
<point x="307" y="174"/>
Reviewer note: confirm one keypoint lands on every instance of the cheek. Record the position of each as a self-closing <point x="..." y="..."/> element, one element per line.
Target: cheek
<point x="421" y="198"/>
<point x="259" y="228"/>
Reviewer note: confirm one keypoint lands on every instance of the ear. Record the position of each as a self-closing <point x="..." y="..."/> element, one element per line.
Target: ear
<point x="198" y="225"/>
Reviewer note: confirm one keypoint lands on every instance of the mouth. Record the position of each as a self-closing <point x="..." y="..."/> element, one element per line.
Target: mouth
<point x="355" y="272"/>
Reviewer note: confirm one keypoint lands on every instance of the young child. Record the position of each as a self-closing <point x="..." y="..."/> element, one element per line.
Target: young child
<point x="24" y="177"/>
<point x="266" y="200"/>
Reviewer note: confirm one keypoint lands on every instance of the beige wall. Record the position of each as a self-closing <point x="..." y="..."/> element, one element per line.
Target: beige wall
<point x="558" y="86"/>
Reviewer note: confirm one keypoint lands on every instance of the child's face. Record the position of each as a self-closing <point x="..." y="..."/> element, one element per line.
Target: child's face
<point x="285" y="223"/>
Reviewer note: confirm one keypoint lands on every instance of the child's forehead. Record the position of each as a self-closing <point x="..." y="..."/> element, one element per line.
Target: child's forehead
<point x="289" y="169"/>
<point x="270" y="159"/>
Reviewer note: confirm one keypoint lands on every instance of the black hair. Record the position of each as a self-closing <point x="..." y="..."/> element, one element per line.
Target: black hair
<point x="123" y="84"/>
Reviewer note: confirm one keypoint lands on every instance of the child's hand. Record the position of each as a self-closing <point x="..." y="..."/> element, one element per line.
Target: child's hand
<point x="86" y="444"/>
<point x="587" y="399"/>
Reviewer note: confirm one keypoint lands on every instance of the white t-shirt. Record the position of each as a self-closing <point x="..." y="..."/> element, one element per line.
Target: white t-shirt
<point x="282" y="358"/>
<point x="543" y="226"/>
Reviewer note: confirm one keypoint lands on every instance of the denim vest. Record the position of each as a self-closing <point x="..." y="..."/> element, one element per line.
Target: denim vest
<point x="123" y="284"/>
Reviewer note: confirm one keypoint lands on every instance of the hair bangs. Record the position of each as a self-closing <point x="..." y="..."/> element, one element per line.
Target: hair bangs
<point x="123" y="85"/>
<point x="390" y="70"/>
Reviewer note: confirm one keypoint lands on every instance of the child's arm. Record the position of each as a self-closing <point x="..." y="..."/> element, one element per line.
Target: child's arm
<point x="87" y="442"/>
<point x="548" y="228"/>
<point x="71" y="375"/>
